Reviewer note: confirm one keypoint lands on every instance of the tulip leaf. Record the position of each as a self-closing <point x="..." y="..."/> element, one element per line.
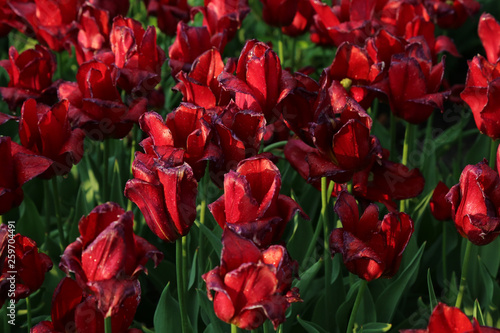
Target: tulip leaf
<point x="116" y="193"/>
<point x="208" y="310"/>
<point x="490" y="257"/>
<point x="309" y="326"/>
<point x="432" y="295"/>
<point x="477" y="313"/>
<point x="30" y="223"/>
<point x="308" y="276"/>
<point x="486" y="282"/>
<point x="375" y="328"/>
<point x="344" y="310"/>
<point x="214" y="240"/>
<point x="192" y="274"/>
<point x="167" y="314"/>
<point x="388" y="300"/>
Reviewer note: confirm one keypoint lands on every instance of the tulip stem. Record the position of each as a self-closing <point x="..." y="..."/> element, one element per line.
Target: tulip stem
<point x="357" y="302"/>
<point x="326" y="243"/>
<point x="105" y="160"/>
<point x="107" y="325"/>
<point x="493" y="154"/>
<point x="181" y="291"/>
<point x="234" y="328"/>
<point x="28" y="313"/>
<point x="294" y="47"/>
<point x="280" y="48"/>
<point x="406" y="152"/>
<point x="275" y="145"/>
<point x="203" y="209"/>
<point x="463" y="276"/>
<point x="57" y="206"/>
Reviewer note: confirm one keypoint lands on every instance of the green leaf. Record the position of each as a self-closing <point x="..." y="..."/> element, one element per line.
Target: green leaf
<point x="212" y="238"/>
<point x="477" y="313"/>
<point x="30" y="223"/>
<point x="375" y="328"/>
<point x="167" y="314"/>
<point x="208" y="310"/>
<point x="192" y="274"/>
<point x="310" y="327"/>
<point x="388" y="300"/>
<point x="432" y="295"/>
<point x="308" y="276"/>
<point x="116" y="192"/>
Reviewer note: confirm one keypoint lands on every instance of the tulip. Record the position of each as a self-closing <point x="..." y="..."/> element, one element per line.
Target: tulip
<point x="29" y="265"/>
<point x="488" y="31"/>
<point x="93" y="35"/>
<point x="251" y="204"/>
<point x="370" y="248"/>
<point x="114" y="8"/>
<point x="440" y="207"/>
<point x="446" y="318"/>
<point x="170" y="13"/>
<point x="279" y="13"/>
<point x="474" y="203"/>
<point x="451" y="14"/>
<point x="30" y="76"/>
<point x="251" y="285"/>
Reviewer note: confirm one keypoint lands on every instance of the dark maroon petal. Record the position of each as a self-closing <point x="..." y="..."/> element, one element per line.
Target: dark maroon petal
<point x="64" y="301"/>
<point x="240" y="205"/>
<point x="347" y="210"/>
<point x="488" y="31"/>
<point x="440" y="208"/>
<point x="97" y="221"/>
<point x="112" y="293"/>
<point x="237" y="251"/>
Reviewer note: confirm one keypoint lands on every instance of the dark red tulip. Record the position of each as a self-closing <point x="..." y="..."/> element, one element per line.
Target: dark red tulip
<point x="440" y="207"/>
<point x="489" y="32"/>
<point x="10" y="20"/>
<point x="451" y="14"/>
<point x="385" y="181"/>
<point x="46" y="131"/>
<point x="73" y="308"/>
<point x="96" y="105"/>
<point x="93" y="35"/>
<point x="370" y="248"/>
<point x="302" y="20"/>
<point x="251" y="204"/>
<point x="189" y="43"/>
<point x="107" y="257"/>
<point x="30" y="76"/>
<point x="223" y="18"/>
<point x="169" y="13"/>
<point x="18" y="166"/>
<point x="29" y="265"/>
<point x="136" y="56"/>
<point x="53" y="21"/>
<point x="260" y="84"/>
<point x="481" y="94"/>
<point x="475" y="203"/>
<point x="165" y="191"/>
<point x="279" y="13"/>
<point x="251" y="286"/>
<point x="113" y="7"/>
<point x="446" y="318"/>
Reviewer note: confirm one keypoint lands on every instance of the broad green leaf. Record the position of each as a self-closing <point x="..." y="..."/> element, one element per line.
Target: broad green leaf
<point x="192" y="274"/>
<point x="387" y="302"/>
<point x="212" y="238"/>
<point x="375" y="328"/>
<point x="167" y="314"/>
<point x="344" y="311"/>
<point x="308" y="276"/>
<point x="207" y="311"/>
<point x="430" y="287"/>
<point x="30" y="223"/>
<point x="116" y="191"/>
<point x="477" y="313"/>
<point x="309" y="326"/>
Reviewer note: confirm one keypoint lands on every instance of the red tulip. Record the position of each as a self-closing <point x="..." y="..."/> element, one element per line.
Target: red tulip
<point x="260" y="84"/>
<point x="53" y="21"/>
<point x="170" y="13"/>
<point x="279" y="13"/>
<point x="370" y="248"/>
<point x="113" y="7"/>
<point x="18" y="166"/>
<point x="481" y="94"/>
<point x="96" y="105"/>
<point x="46" y="131"/>
<point x="475" y="203"/>
<point x="251" y="204"/>
<point x="73" y="308"/>
<point x="20" y="255"/>
<point x="451" y="14"/>
<point x="446" y="318"/>
<point x="93" y="35"/>
<point x="108" y="257"/>
<point x="30" y="76"/>
<point x="251" y="285"/>
<point x="165" y="191"/>
<point x="302" y="20"/>
<point x="137" y="57"/>
<point x="440" y="207"/>
<point x="489" y="32"/>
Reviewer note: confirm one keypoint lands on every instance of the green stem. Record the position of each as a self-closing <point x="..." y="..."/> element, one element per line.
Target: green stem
<point x="5" y="319"/>
<point x="406" y="153"/>
<point x="443" y="254"/>
<point x="107" y="325"/>
<point x="463" y="277"/>
<point x="105" y="159"/>
<point x="181" y="291"/>
<point x="280" y="49"/>
<point x="59" y="64"/>
<point x="28" y="313"/>
<point x="275" y="145"/>
<point x="266" y="327"/>
<point x="132" y="154"/>
<point x="201" y="237"/>
<point x="493" y="154"/>
<point x="57" y="207"/>
<point x="234" y="328"/>
<point x="357" y="302"/>
<point x="1" y="219"/>
<point x="294" y="46"/>
<point x="326" y="243"/>
<point x="393" y="137"/>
